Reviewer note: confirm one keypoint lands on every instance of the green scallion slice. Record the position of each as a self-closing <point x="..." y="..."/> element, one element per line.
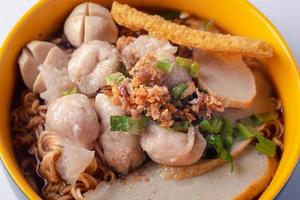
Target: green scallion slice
<point x="181" y="126"/>
<point x="258" y="119"/>
<point x="203" y="91"/>
<point x="115" y="78"/>
<point x="227" y="133"/>
<point x="253" y="120"/>
<point x="183" y="62"/>
<point x="267" y="116"/>
<point x="138" y="125"/>
<point x="124" y="71"/>
<point x="217" y="143"/>
<point x="208" y="24"/>
<point x="194" y="69"/>
<point x="71" y="91"/>
<point x="119" y="123"/>
<point x="267" y="148"/>
<point x="128" y="124"/>
<point x="178" y="90"/>
<point x="243" y="132"/>
<point x="164" y="64"/>
<point x="211" y="126"/>
<point x="263" y="145"/>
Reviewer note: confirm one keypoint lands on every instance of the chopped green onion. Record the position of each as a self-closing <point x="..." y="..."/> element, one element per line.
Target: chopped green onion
<point x="208" y="24"/>
<point x="181" y="126"/>
<point x="204" y="91"/>
<point x="217" y="143"/>
<point x="169" y="14"/>
<point x="258" y="119"/>
<point x="128" y="124"/>
<point x="164" y="64"/>
<point x="268" y="148"/>
<point x="124" y="71"/>
<point x="264" y="145"/>
<point x="194" y="69"/>
<point x="267" y="116"/>
<point x="183" y="62"/>
<point x="211" y="126"/>
<point x="227" y="133"/>
<point x="115" y="78"/>
<point x="253" y="120"/>
<point x="71" y="91"/>
<point x="243" y="132"/>
<point x="119" y="123"/>
<point x="138" y="125"/>
<point x="178" y="90"/>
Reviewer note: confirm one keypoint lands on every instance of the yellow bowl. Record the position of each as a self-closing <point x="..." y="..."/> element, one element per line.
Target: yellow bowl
<point x="235" y="16"/>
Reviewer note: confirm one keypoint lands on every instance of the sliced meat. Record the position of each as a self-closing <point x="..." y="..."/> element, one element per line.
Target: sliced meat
<point x="144" y="45"/>
<point x="252" y="173"/>
<point x="91" y="63"/>
<point x="90" y="21"/>
<point x="203" y="166"/>
<point x="73" y="161"/>
<point x="261" y="103"/>
<point x="169" y="147"/>
<point x="122" y="150"/>
<point x="226" y="77"/>
<point x="74" y="119"/>
<point x="32" y="56"/>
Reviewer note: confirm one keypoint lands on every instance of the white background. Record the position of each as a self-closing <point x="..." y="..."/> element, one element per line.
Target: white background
<point x="283" y="13"/>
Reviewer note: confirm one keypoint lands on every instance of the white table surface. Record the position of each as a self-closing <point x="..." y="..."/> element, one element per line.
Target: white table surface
<point x="283" y="13"/>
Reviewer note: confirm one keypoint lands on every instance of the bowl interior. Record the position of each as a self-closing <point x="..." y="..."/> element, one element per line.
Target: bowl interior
<point x="236" y="17"/>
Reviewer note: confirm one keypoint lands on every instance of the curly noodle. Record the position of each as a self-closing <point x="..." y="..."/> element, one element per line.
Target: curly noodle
<point x="27" y="122"/>
<point x="274" y="129"/>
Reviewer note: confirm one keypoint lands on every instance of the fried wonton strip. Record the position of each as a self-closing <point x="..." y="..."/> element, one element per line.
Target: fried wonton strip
<point x="158" y="27"/>
<point x="202" y="167"/>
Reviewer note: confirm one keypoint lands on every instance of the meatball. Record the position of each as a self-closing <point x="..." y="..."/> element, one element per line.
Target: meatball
<point x="73" y="118"/>
<point x="165" y="146"/>
<point x="144" y="45"/>
<point x="32" y="56"/>
<point x="122" y="150"/>
<point x="91" y="63"/>
<point x="90" y="21"/>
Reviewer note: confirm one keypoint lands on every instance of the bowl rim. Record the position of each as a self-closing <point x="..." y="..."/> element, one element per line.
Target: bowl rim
<point x="263" y="19"/>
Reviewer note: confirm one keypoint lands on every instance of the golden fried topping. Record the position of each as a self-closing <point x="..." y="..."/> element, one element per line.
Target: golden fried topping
<point x="191" y="89"/>
<point x="156" y="26"/>
<point x="145" y="72"/>
<point x="123" y="41"/>
<point x="155" y="102"/>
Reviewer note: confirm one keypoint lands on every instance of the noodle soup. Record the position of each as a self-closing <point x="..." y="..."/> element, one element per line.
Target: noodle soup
<point x="107" y="104"/>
